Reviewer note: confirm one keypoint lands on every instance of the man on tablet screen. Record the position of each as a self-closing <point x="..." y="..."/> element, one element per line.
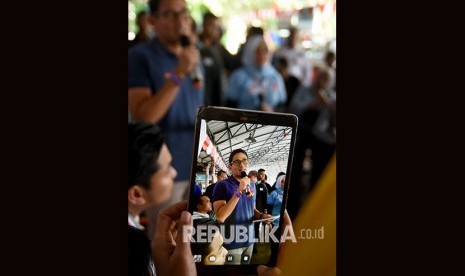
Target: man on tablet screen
<point x="235" y="210"/>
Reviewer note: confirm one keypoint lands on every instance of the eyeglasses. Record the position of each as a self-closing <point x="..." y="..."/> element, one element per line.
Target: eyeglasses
<point x="245" y="162"/>
<point x="170" y="14"/>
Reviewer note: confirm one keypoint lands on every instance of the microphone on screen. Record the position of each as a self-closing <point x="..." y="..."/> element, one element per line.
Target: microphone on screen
<point x="247" y="189"/>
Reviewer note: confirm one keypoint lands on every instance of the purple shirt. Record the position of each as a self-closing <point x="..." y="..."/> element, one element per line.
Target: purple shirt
<point x="242" y="214"/>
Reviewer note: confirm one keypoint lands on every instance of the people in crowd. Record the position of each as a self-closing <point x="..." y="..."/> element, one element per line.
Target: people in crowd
<point x="256" y="85"/>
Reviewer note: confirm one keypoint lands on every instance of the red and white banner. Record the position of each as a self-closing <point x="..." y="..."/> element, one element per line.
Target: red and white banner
<point x="210" y="149"/>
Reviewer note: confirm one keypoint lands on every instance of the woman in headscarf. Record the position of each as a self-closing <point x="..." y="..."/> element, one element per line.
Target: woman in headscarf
<point x="256" y="85"/>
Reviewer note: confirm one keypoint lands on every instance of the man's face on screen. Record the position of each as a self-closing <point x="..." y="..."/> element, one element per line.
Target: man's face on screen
<point x="239" y="164"/>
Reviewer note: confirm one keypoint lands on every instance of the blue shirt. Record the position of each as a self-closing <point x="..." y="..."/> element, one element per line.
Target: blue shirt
<point x="276" y="200"/>
<point x="147" y="65"/>
<point x="246" y="83"/>
<point x="197" y="190"/>
<point x="242" y="214"/>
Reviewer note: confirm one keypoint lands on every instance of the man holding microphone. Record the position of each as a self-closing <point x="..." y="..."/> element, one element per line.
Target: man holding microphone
<point x="235" y="210"/>
<point x="161" y="89"/>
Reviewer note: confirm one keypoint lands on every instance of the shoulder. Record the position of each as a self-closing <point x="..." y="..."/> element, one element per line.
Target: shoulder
<point x="271" y="72"/>
<point x="220" y="185"/>
<point x="144" y="54"/>
<point x="239" y="73"/>
<point x="136" y="53"/>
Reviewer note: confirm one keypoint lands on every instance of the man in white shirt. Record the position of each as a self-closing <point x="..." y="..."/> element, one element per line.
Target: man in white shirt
<point x="299" y="65"/>
<point x="203" y="206"/>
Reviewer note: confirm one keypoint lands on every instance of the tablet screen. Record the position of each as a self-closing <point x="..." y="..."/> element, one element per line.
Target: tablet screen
<point x="239" y="181"/>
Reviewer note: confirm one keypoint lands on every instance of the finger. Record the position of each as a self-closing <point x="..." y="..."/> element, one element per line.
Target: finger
<point x="288" y="223"/>
<point x="182" y="256"/>
<point x="184" y="233"/>
<point x="263" y="270"/>
<point x="173" y="212"/>
<point x="287" y="219"/>
<point x="166" y="224"/>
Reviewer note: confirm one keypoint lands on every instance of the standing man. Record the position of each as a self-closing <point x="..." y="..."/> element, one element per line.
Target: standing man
<point x="145" y="32"/>
<point x="234" y="210"/>
<point x="253" y="179"/>
<point x="299" y="65"/>
<point x="220" y="175"/>
<point x="213" y="56"/>
<point x="209" y="191"/>
<point x="161" y="90"/>
<point x="262" y="191"/>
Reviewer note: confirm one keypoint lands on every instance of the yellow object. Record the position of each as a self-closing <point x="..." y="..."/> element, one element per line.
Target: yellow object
<point x="314" y="253"/>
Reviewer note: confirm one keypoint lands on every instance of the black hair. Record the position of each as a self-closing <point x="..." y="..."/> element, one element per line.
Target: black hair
<point x="234" y="152"/>
<point x="293" y="29"/>
<point x="209" y="15"/>
<point x="330" y="55"/>
<point x="282" y="61"/>
<point x="261" y="170"/>
<point x="144" y="145"/>
<point x="255" y="31"/>
<point x="220" y="172"/>
<point x="139" y="253"/>
<point x="155" y="6"/>
<point x="198" y="200"/>
<point x="142" y="12"/>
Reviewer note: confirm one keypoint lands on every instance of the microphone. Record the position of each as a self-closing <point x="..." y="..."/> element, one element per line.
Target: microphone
<point x="196" y="75"/>
<point x="261" y="98"/>
<point x="247" y="189"/>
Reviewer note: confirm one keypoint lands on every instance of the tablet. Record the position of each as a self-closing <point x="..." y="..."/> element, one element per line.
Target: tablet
<point x="231" y="235"/>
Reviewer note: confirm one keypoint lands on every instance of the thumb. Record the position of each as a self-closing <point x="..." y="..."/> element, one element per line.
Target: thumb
<point x="184" y="233"/>
<point x="263" y="270"/>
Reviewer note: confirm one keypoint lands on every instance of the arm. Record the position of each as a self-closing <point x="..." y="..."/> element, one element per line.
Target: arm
<point x="147" y="107"/>
<point x="224" y="209"/>
<point x="270" y="199"/>
<point x="258" y="215"/>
